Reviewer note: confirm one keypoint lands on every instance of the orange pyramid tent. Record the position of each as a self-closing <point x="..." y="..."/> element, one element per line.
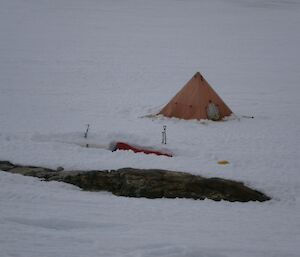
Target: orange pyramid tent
<point x="196" y="100"/>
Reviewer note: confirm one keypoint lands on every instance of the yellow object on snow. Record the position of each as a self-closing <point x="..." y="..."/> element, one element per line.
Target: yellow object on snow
<point x="223" y="162"/>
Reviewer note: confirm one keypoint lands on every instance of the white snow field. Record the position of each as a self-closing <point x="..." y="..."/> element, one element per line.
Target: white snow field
<point x="68" y="63"/>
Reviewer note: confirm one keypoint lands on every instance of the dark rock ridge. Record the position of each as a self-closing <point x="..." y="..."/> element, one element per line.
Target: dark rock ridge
<point x="151" y="183"/>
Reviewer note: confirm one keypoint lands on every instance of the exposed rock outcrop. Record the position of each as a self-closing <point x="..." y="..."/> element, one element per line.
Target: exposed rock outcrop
<point x="150" y="183"/>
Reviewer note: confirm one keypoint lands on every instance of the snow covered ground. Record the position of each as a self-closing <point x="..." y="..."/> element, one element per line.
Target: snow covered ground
<point x="68" y="63"/>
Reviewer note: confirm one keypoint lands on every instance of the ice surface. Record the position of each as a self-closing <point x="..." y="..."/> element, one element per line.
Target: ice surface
<point x="48" y="219"/>
<point x="65" y="64"/>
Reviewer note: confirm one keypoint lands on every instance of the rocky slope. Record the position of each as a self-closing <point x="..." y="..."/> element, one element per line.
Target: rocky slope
<point x="151" y="183"/>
